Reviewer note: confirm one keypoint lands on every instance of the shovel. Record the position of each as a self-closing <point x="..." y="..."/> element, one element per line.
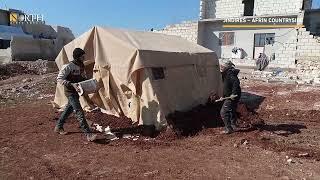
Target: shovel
<point x="226" y="98"/>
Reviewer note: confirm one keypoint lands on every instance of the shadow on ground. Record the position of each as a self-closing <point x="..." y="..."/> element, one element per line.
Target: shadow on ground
<point x="281" y="129"/>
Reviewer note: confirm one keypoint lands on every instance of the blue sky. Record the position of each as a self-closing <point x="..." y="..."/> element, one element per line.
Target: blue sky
<point x="81" y="15"/>
<point x="316" y="3"/>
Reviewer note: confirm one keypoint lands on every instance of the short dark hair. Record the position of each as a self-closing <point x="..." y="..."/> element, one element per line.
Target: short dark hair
<point x="77" y="53"/>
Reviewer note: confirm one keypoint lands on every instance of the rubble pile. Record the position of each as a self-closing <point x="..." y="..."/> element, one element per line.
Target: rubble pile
<point x="26" y="89"/>
<point x="308" y="72"/>
<point x="27" y="67"/>
<point x="13" y="69"/>
<point x="40" y="66"/>
<point x="275" y="75"/>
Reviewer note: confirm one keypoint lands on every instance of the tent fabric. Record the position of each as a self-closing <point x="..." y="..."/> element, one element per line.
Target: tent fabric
<point x="123" y="62"/>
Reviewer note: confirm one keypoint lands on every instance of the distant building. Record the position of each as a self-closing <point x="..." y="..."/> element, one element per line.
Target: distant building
<point x="26" y="37"/>
<point x="241" y="30"/>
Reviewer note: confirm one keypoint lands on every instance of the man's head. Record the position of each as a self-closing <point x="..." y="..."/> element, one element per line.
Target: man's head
<point x="78" y="54"/>
<point x="226" y="65"/>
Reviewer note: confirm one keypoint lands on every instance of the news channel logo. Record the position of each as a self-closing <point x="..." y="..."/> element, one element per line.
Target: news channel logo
<point x="16" y="18"/>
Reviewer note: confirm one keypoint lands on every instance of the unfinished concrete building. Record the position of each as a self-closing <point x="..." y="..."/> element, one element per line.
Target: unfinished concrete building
<point x="284" y="46"/>
<point x="30" y="41"/>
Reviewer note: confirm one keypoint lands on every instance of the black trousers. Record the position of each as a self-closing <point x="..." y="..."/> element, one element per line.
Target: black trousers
<point x="228" y="113"/>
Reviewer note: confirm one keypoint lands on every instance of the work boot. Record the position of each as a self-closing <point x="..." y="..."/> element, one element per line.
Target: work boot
<point x="60" y="131"/>
<point x="227" y="131"/>
<point x="235" y="127"/>
<point x="91" y="137"/>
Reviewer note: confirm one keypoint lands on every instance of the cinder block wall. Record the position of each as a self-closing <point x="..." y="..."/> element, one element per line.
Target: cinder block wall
<point x="29" y="49"/>
<point x="210" y="9"/>
<point x="229" y="8"/>
<point x="47" y="47"/>
<point x="187" y="30"/>
<point x="40" y="30"/>
<point x="285" y="55"/>
<point x="64" y="36"/>
<point x="308" y="47"/>
<point x="276" y="7"/>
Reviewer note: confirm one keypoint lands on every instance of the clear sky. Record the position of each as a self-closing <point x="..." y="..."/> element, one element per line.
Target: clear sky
<point x="316" y="3"/>
<point x="81" y="15"/>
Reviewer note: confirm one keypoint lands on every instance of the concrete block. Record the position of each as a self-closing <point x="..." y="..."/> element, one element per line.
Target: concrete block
<point x="312" y="40"/>
<point x="302" y="29"/>
<point x="303" y="40"/>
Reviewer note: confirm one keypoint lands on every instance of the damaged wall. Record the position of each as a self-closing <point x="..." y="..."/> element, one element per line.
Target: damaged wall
<point x="187" y="30"/>
<point x="276" y="7"/>
<point x="45" y="43"/>
<point x="308" y="47"/>
<point x="27" y="49"/>
<point x="39" y="31"/>
<point x="284" y="47"/>
<point x="211" y="9"/>
<point x="290" y="45"/>
<point x="285" y="55"/>
<point x="64" y="36"/>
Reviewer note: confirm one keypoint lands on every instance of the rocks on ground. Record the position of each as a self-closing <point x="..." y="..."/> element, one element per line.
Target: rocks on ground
<point x="27" y="67"/>
<point x="31" y="87"/>
<point x="306" y="72"/>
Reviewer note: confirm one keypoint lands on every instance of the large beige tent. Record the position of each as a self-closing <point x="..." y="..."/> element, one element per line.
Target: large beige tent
<point x="143" y="75"/>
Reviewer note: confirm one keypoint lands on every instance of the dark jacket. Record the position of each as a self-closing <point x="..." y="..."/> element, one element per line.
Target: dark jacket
<point x="231" y="83"/>
<point x="71" y="73"/>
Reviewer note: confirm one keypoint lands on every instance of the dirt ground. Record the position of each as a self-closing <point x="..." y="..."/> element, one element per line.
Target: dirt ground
<point x="287" y="146"/>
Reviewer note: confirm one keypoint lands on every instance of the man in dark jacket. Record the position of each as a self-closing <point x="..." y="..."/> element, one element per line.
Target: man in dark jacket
<point x="231" y="88"/>
<point x="69" y="75"/>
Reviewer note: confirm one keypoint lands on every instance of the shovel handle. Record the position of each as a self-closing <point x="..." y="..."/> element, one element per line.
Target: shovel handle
<point x="225" y="98"/>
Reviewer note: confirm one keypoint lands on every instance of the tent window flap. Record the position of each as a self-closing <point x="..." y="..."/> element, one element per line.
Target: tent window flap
<point x="158" y="73"/>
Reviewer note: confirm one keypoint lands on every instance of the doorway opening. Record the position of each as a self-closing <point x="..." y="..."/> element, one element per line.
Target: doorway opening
<point x="248" y="7"/>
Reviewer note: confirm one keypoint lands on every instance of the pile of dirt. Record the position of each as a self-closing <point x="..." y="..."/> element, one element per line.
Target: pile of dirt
<point x="251" y="120"/>
<point x="38" y="67"/>
<point x="168" y="135"/>
<point x="109" y="120"/>
<point x="123" y="125"/>
<point x="119" y="125"/>
<point x="27" y="88"/>
<point x="13" y="69"/>
<point x="181" y="124"/>
<point x="191" y="122"/>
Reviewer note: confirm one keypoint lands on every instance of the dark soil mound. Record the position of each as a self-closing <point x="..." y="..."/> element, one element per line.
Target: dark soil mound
<point x="181" y="124"/>
<point x="191" y="122"/>
<point x="14" y="69"/>
<point x="119" y="125"/>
